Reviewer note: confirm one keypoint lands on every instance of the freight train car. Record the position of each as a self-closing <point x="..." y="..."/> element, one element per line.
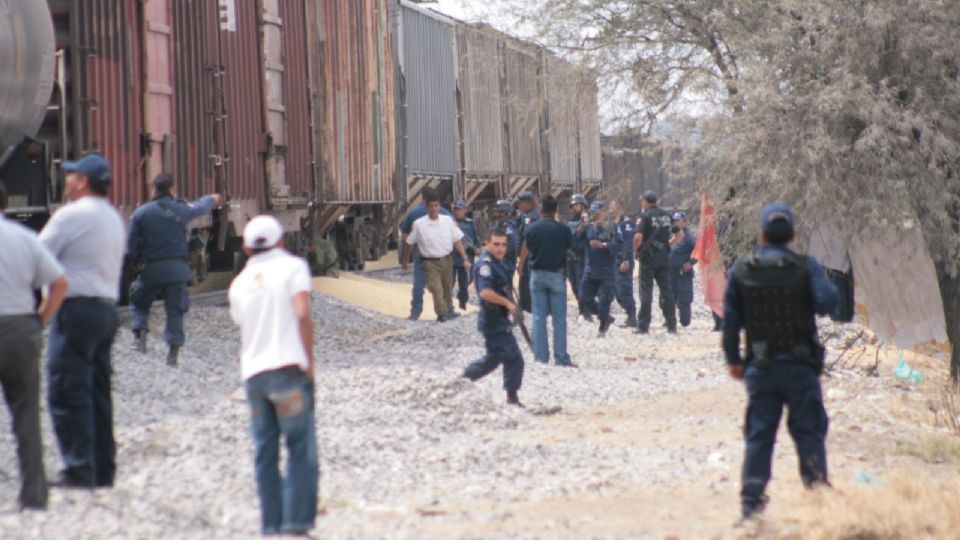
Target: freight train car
<point x="333" y="115"/>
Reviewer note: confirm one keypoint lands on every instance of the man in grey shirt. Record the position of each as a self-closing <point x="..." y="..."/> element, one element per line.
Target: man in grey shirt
<point x="24" y="267"/>
<point x="87" y="237"/>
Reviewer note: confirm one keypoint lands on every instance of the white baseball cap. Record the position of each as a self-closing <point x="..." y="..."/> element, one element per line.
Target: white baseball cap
<point x="262" y="232"/>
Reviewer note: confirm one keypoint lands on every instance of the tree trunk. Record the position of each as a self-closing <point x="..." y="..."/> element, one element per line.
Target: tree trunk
<point x="950" y="294"/>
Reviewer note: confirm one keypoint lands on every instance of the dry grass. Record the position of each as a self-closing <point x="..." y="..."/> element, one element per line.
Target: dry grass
<point x="948" y="413"/>
<point x="906" y="506"/>
<point x="936" y="449"/>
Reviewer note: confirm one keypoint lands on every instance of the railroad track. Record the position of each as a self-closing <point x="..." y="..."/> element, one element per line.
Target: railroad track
<point x="215" y="298"/>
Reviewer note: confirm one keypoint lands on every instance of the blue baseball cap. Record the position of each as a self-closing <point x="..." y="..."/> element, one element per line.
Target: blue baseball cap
<point x="777" y="216"/>
<point x="680" y="215"/>
<point x="597" y="206"/>
<point x="459" y="205"/>
<point x="525" y="196"/>
<point x="94" y="166"/>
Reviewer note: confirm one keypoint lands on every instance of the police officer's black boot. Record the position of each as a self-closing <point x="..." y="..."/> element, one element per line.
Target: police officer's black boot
<point x="605" y="325"/>
<point x="631" y="321"/>
<point x="513" y="398"/>
<point x="172" y="355"/>
<point x="140" y="339"/>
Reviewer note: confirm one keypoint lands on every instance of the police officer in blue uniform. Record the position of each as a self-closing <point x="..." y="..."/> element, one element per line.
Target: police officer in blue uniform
<point x="599" y="273"/>
<point x="624" y="277"/>
<point x="651" y="243"/>
<point x="501" y="214"/>
<point x="158" y="243"/>
<point x="775" y="295"/>
<point x="577" y="255"/>
<point x="470" y="244"/>
<point x="682" y="244"/>
<point x="527" y="214"/>
<point x="493" y="285"/>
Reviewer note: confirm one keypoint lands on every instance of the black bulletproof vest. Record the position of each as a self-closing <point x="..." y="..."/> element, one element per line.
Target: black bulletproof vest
<point x="778" y="307"/>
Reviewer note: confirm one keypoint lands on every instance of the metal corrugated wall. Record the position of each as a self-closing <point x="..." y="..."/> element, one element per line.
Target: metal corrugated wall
<point x="106" y="87"/>
<point x="244" y="123"/>
<point x="296" y="85"/>
<point x="480" y="101"/>
<point x="359" y="117"/>
<point x="524" y="106"/>
<point x="561" y="121"/>
<point x="195" y="96"/>
<point x="429" y="76"/>
<point x="156" y="46"/>
<point x="588" y="124"/>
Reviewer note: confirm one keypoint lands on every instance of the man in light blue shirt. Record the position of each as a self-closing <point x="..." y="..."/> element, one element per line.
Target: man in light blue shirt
<point x="25" y="266"/>
<point x="87" y="238"/>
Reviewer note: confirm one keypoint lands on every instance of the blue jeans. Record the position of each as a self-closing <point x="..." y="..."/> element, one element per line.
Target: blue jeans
<point x="176" y="302"/>
<point x="795" y="385"/>
<point x="78" y="388"/>
<point x="282" y="402"/>
<point x="548" y="291"/>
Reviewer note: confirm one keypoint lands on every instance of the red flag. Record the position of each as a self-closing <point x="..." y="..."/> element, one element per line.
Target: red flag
<point x="713" y="275"/>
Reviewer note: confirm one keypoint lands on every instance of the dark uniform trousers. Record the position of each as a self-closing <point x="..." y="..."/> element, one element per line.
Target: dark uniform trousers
<point x="176" y="303"/>
<point x="661" y="274"/>
<point x="20" y="337"/>
<point x="682" y="285"/>
<point x="502" y="348"/>
<point x="624" y="283"/>
<point x="79" y="373"/>
<point x="462" y="280"/>
<point x="596" y="295"/>
<point x="526" y="300"/>
<point x="575" y="275"/>
<point x="796" y="385"/>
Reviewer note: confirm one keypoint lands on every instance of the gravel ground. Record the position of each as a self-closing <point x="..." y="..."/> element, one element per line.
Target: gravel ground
<point x="407" y="445"/>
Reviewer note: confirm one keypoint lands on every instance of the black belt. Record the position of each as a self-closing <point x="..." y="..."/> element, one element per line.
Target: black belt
<point x="102" y="299"/>
<point x="422" y="258"/>
<point x="161" y="259"/>
<point x="557" y="271"/>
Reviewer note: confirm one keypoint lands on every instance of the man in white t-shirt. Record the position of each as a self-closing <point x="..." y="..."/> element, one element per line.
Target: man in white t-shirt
<point x="270" y="302"/>
<point x="436" y="236"/>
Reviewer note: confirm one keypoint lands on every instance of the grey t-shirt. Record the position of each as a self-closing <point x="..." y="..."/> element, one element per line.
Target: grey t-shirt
<point x="88" y="238"/>
<point x="25" y="265"/>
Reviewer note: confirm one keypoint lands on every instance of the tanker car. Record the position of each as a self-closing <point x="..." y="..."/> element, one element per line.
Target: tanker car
<point x="333" y="115"/>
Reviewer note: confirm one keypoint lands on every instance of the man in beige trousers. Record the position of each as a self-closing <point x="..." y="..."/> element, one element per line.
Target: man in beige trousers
<point x="436" y="236"/>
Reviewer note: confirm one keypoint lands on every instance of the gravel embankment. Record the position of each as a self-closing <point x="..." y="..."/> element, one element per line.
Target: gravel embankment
<point x="400" y="432"/>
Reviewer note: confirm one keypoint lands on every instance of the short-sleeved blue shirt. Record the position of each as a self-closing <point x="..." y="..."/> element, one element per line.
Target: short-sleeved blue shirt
<point x="490" y="273"/>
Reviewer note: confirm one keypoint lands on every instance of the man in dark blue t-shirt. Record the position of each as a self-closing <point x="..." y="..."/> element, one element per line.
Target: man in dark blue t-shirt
<point x="545" y="249"/>
<point x="419" y="278"/>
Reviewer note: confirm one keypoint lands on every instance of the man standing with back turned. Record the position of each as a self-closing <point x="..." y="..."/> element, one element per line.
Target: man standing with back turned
<point x="25" y="265"/>
<point x="652" y="245"/>
<point x="158" y="241"/>
<point x="270" y="301"/>
<point x="87" y="237"/>
<point x="775" y="294"/>
<point x="545" y="248"/>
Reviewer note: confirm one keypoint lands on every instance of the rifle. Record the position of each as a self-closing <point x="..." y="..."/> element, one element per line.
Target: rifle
<point x="518" y="319"/>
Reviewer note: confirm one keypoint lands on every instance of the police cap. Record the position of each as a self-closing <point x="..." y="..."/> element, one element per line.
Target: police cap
<point x="578" y="199"/>
<point x="777" y="217"/>
<point x="597" y="206"/>
<point x="525" y="196"/>
<point x="94" y="166"/>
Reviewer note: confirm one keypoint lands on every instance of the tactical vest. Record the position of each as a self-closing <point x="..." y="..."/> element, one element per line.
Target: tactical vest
<point x="778" y="308"/>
